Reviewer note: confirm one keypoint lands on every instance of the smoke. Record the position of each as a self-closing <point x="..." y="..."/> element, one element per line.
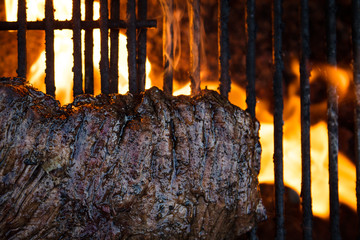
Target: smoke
<point x="184" y="37"/>
<point x="171" y="32"/>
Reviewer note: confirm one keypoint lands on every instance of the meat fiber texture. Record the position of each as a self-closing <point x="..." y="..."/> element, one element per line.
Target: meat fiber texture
<point x="151" y="166"/>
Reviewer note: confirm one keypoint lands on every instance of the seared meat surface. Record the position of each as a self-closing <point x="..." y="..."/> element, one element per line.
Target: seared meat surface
<point x="126" y="167"/>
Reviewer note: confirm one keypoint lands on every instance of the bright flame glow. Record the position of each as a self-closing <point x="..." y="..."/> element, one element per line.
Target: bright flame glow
<point x="291" y="142"/>
<point x="319" y="146"/>
<point x="237" y="95"/>
<point x="63" y="47"/>
<point x="319" y="161"/>
<point x="339" y="77"/>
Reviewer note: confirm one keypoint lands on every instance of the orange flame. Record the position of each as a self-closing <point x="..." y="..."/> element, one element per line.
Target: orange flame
<point x="319" y="159"/>
<point x="291" y="142"/>
<point x="63" y="50"/>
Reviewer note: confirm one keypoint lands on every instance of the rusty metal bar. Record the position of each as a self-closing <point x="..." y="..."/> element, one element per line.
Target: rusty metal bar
<point x="332" y="113"/>
<point x="356" y="64"/>
<point x="305" y="121"/>
<point x="168" y="45"/>
<point x="250" y="56"/>
<point x="21" y="37"/>
<point x="87" y="24"/>
<point x="131" y="46"/>
<point x="278" y="120"/>
<point x="356" y="49"/>
<point x="114" y="45"/>
<point x="49" y="48"/>
<point x="104" y="51"/>
<point x="195" y="35"/>
<point x="89" y="49"/>
<point x="77" y="69"/>
<point x="224" y="48"/>
<point x="141" y="71"/>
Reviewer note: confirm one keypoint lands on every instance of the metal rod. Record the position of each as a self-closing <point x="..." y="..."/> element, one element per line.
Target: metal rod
<point x="49" y="48"/>
<point x="21" y="37"/>
<point x="224" y="50"/>
<point x="356" y="64"/>
<point x="131" y="46"/>
<point x="195" y="35"/>
<point x="104" y="61"/>
<point x="332" y="112"/>
<point x="305" y="121"/>
<point x="89" y="49"/>
<point x="77" y="69"/>
<point x="250" y="56"/>
<point x="114" y="44"/>
<point x="278" y="120"/>
<point x="250" y="72"/>
<point x="87" y="24"/>
<point x="141" y="71"/>
<point x="168" y="45"/>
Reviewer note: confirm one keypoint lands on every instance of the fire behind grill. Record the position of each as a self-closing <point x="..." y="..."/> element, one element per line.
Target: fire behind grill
<point x="109" y="71"/>
<point x="136" y="33"/>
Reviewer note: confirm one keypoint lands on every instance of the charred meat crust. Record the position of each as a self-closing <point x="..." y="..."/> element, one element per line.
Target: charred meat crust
<point x="126" y="167"/>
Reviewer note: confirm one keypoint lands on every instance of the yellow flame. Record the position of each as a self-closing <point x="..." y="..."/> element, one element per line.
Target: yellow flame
<point x="319" y="146"/>
<point x="337" y="76"/>
<point x="237" y="95"/>
<point x="291" y="142"/>
<point x="319" y="163"/>
<point x="63" y="48"/>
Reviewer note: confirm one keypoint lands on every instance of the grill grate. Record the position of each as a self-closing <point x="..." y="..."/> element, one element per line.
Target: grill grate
<point x="305" y="120"/>
<point x="224" y="48"/>
<point x="333" y="124"/>
<point x="278" y="119"/>
<point x="108" y="80"/>
<point x="136" y="34"/>
<point x="356" y="49"/>
<point x="89" y="67"/>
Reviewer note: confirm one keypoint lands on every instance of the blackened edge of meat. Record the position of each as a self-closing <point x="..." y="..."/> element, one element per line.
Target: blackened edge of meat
<point x="119" y="166"/>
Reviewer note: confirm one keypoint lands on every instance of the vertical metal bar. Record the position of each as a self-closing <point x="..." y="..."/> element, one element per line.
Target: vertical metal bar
<point x="250" y="56"/>
<point x="104" y="60"/>
<point x="114" y="44"/>
<point x="21" y="38"/>
<point x="332" y="113"/>
<point x="49" y="48"/>
<point x="141" y="72"/>
<point x="278" y="120"/>
<point x="250" y="70"/>
<point x="224" y="49"/>
<point x="356" y="49"/>
<point x="89" y="64"/>
<point x="305" y="121"/>
<point x="131" y="46"/>
<point x="77" y="69"/>
<point x="195" y="34"/>
<point x="168" y="45"/>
